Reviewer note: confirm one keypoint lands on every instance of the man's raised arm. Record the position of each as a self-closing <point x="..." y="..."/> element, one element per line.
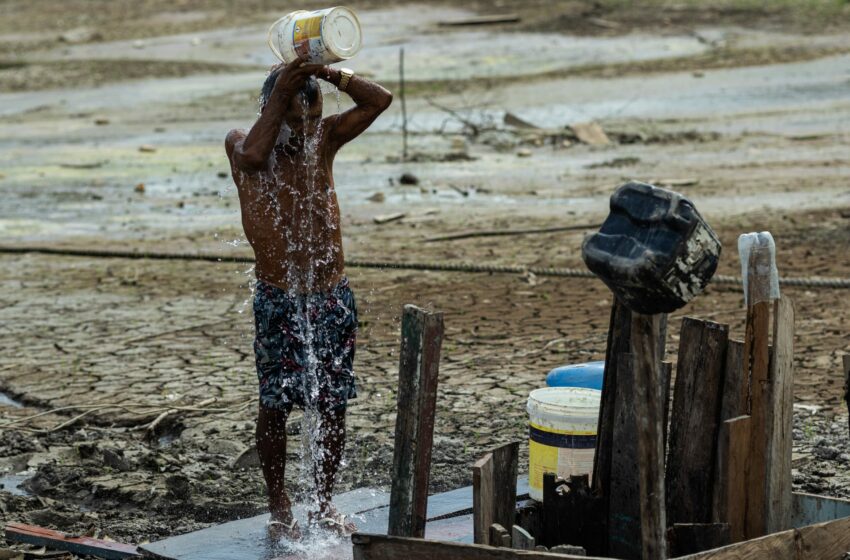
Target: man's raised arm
<point x="371" y="100"/>
<point x="250" y="152"/>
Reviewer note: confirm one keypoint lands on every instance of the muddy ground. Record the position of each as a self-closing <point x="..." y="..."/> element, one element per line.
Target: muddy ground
<point x="111" y="138"/>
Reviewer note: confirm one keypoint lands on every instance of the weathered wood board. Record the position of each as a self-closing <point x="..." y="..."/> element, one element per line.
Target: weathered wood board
<point x="419" y="363"/>
<point x="696" y="407"/>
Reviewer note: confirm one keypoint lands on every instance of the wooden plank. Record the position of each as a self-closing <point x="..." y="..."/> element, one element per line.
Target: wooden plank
<point x="494" y="484"/>
<point x="757" y="363"/>
<point x="481" y="20"/>
<point x="696" y="406"/>
<point x="380" y="547"/>
<point x="84" y="546"/>
<point x="808" y="509"/>
<point x="822" y="541"/>
<point x="846" y="361"/>
<point x="689" y="538"/>
<point x="733" y="449"/>
<point x="499" y="536"/>
<point x="505" y="467"/>
<point x="736" y="383"/>
<point x="648" y="403"/>
<point x="780" y="415"/>
<point x="482" y="499"/>
<point x="623" y="511"/>
<point x="667" y="370"/>
<point x="521" y="539"/>
<point x="618" y="343"/>
<point x="756" y="355"/>
<point x="421" y="339"/>
<point x="619" y="330"/>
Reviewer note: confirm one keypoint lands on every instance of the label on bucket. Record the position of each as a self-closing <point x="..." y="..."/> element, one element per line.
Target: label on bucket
<point x="559" y="452"/>
<point x="307" y="38"/>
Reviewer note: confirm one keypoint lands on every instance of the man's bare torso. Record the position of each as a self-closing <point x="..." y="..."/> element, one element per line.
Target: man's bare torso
<point x="291" y="216"/>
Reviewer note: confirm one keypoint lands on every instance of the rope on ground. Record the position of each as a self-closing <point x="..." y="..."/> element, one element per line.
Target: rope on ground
<point x="805" y="282"/>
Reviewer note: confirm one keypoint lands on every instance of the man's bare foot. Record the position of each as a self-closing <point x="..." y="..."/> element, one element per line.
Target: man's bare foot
<point x="286" y="528"/>
<point x="329" y="519"/>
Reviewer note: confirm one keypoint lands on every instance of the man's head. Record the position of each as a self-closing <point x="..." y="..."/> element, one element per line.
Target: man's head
<point x="308" y="100"/>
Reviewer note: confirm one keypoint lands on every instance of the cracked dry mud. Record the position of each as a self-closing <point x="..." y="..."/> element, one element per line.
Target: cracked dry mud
<point x="757" y="121"/>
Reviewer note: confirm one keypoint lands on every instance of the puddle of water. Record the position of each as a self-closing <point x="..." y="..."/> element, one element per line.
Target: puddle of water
<point x="6" y="400"/>
<point x="11" y="483"/>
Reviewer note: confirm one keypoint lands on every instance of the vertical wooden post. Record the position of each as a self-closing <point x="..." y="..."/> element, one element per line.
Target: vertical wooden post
<point x="756" y="360"/>
<point x="403" y="104"/>
<point x="619" y="330"/>
<point x="649" y="413"/>
<point x="780" y="413"/>
<point x="421" y="339"/>
<point x="623" y="508"/>
<point x="494" y="491"/>
<point x="846" y="360"/>
<point x="696" y="406"/>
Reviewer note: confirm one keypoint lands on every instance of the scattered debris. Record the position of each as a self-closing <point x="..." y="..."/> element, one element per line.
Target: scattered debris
<point x="408" y="179"/>
<point x="512" y="120"/>
<point x="603" y="23"/>
<point x="688" y="182"/>
<point x="590" y="133"/>
<point x="616" y="162"/>
<point x="377" y="197"/>
<point x="481" y="20"/>
<point x="80" y="35"/>
<point x="387" y="218"/>
<point x="147" y="148"/>
<point x="92" y="165"/>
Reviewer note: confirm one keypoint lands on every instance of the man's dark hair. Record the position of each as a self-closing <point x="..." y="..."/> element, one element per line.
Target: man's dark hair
<point x="310" y="89"/>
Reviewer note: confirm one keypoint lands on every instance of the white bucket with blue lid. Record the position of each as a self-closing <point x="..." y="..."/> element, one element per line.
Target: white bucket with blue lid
<point x="562" y="424"/>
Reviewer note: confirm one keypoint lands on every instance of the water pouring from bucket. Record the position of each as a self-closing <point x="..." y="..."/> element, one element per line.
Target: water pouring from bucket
<point x="318" y="37"/>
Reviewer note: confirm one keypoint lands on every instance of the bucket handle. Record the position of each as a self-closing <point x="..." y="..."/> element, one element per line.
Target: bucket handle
<point x="271" y="42"/>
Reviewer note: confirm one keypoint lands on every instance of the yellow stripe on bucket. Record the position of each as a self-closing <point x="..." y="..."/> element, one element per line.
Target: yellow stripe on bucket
<point x="562" y="433"/>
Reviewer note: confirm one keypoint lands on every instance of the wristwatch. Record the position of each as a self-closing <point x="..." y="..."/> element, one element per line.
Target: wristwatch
<point x="345" y="76"/>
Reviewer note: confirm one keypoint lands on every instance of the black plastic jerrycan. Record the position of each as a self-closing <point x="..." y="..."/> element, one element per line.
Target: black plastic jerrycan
<point x="654" y="250"/>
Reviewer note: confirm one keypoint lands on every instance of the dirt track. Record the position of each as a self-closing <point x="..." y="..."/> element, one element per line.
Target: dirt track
<point x="757" y="148"/>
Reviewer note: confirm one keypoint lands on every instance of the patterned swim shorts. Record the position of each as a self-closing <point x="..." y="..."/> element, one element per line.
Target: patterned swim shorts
<point x="304" y="347"/>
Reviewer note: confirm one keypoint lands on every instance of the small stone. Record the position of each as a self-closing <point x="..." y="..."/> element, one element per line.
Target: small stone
<point x="408" y="179"/>
<point x="222" y="174"/>
<point x="524" y="152"/>
<point x="248" y="459"/>
<point x="826" y="452"/>
<point x="377" y="197"/>
<point x="114" y="458"/>
<point x="138" y="44"/>
<point x="147" y="149"/>
<point x="177" y="486"/>
<point x="101" y="121"/>
<point x="844" y="458"/>
<point x="139" y="188"/>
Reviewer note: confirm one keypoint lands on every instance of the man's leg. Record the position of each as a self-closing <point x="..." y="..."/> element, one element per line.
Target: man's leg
<point x="331" y="444"/>
<point x="271" y="447"/>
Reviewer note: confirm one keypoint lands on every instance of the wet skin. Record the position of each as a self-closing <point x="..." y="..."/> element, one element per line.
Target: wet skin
<point x="283" y="170"/>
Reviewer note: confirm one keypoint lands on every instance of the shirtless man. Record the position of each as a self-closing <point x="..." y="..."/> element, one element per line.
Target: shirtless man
<point x="304" y="310"/>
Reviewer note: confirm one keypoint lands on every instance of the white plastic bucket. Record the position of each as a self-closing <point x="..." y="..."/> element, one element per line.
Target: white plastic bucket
<point x="319" y="37"/>
<point x="561" y="433"/>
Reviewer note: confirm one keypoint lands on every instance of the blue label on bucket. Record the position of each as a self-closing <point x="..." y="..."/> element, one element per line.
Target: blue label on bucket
<point x="561" y="440"/>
